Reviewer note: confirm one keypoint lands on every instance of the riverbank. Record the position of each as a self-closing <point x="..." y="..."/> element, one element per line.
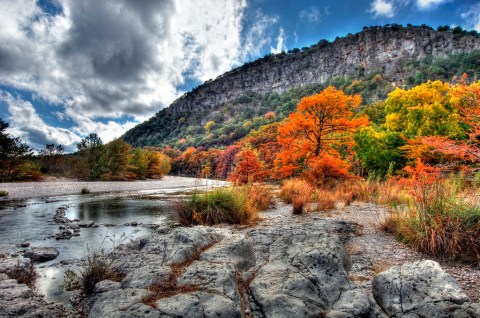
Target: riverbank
<point x="330" y="264"/>
<point x="51" y="188"/>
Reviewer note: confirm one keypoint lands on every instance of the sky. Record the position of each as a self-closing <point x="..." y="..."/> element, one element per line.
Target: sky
<point x="73" y="67"/>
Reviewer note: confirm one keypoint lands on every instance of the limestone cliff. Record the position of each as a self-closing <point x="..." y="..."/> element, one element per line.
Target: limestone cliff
<point x="382" y="50"/>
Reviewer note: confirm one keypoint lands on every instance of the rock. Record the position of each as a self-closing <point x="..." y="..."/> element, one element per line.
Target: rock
<point x="86" y="224"/>
<point x="355" y="303"/>
<point x="305" y="275"/>
<point x="199" y="304"/>
<point x="106" y="286"/>
<point x="25" y="244"/>
<point x="139" y="311"/>
<point x="163" y="250"/>
<point x="3" y="276"/>
<point x="42" y="254"/>
<point x="18" y="300"/>
<point x="113" y="303"/>
<point x="421" y="289"/>
<point x="163" y="230"/>
<point x="147" y="276"/>
<point x="235" y="249"/>
<point x="14" y="265"/>
<point x="219" y="277"/>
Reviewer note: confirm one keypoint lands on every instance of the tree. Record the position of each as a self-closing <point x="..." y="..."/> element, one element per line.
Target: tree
<point x="248" y="168"/>
<point x="424" y="110"/>
<point x="466" y="100"/>
<point x="320" y="123"/>
<point x="52" y="160"/>
<point x="116" y="161"/>
<point x="15" y="158"/>
<point x="90" y="151"/>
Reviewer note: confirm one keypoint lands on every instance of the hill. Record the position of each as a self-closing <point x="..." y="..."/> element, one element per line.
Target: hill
<point x="372" y="62"/>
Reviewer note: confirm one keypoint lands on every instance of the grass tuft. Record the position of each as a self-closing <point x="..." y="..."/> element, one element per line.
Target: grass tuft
<point x="3" y="194"/>
<point x="85" y="191"/>
<point x="235" y="205"/>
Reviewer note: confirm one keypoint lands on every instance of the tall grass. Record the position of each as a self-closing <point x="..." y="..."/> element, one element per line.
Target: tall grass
<point x="297" y="192"/>
<point x="235" y="205"/>
<point x="442" y="219"/>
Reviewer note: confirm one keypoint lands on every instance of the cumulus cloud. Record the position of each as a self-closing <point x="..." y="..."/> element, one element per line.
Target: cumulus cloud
<point x="472" y="17"/>
<point x="429" y="4"/>
<point x="382" y="8"/>
<point x="115" y="57"/>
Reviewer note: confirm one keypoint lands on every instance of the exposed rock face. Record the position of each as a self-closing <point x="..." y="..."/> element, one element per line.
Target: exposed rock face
<point x="381" y="50"/>
<point x="421" y="289"/>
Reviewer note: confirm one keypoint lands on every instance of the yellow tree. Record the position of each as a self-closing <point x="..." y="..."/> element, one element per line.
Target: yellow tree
<point x="320" y="123"/>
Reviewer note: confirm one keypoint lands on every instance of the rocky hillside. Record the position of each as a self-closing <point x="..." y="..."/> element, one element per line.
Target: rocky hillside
<point x="371" y="62"/>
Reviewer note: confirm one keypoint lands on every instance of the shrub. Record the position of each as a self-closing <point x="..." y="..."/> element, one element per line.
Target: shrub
<point x="3" y="194"/>
<point x="439" y="221"/>
<point x="297" y="192"/>
<point x="223" y="205"/>
<point x="259" y="198"/>
<point x="85" y="191"/>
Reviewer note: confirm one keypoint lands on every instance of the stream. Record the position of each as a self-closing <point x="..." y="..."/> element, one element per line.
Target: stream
<point x="31" y="220"/>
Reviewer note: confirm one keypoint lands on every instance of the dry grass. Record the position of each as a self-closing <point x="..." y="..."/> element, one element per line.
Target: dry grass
<point x="297" y="192"/>
<point x="171" y="287"/>
<point x="24" y="276"/>
<point x="440" y="221"/>
<point x="259" y="197"/>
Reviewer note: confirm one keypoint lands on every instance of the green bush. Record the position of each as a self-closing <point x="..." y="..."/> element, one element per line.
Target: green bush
<point x="3" y="194"/>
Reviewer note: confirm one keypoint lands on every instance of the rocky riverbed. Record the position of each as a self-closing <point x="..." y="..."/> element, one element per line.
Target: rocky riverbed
<point x="284" y="266"/>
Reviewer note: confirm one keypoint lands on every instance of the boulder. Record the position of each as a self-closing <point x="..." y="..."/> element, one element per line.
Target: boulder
<point x="421" y="289"/>
<point x="306" y="275"/>
<point x="42" y="254"/>
<point x="147" y="276"/>
<point x="199" y="304"/>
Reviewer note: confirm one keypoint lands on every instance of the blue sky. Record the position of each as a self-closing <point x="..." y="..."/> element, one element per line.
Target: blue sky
<point x="72" y="67"/>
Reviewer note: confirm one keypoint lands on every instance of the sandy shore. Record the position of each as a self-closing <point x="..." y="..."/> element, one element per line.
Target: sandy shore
<point x="23" y="190"/>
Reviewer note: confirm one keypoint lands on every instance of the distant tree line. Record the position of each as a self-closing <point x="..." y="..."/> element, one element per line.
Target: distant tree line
<point x="116" y="160"/>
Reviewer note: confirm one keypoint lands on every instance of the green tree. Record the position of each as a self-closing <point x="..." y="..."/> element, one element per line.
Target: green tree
<point x="15" y="158"/>
<point x="116" y="161"/>
<point x="379" y="151"/>
<point x="90" y="151"/>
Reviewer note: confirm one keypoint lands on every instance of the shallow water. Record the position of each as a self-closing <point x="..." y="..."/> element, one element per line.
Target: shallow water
<point x="31" y="220"/>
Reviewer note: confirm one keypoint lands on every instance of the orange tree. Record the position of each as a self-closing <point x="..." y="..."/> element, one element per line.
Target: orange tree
<point x="248" y="168"/>
<point x="321" y="124"/>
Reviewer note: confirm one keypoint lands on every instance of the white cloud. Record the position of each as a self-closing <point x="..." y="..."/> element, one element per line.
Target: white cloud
<point x="313" y="14"/>
<point x="280" y="43"/>
<point x="472" y="18"/>
<point x="382" y="8"/>
<point x="115" y="57"/>
<point x="428" y="4"/>
<point x="258" y="36"/>
<point x="27" y="124"/>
